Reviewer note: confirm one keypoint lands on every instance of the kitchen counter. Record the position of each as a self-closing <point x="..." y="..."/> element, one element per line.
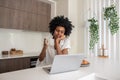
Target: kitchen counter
<point x="17" y="62"/>
<point x="19" y="56"/>
<point x="105" y="68"/>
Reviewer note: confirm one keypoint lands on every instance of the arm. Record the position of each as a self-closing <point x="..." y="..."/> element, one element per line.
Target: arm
<point x="57" y="47"/>
<point x="43" y="52"/>
<point x="59" y="51"/>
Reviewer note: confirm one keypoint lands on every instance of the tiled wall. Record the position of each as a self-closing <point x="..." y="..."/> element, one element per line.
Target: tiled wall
<point x="28" y="41"/>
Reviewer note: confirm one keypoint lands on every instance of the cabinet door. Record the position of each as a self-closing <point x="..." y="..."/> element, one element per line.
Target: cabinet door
<point x="28" y="6"/>
<point x="42" y="24"/>
<point x="11" y="4"/>
<point x="42" y="8"/>
<point x="10" y="65"/>
<point x="33" y="22"/>
<point x="27" y="21"/>
<point x="15" y="19"/>
<point x="7" y="65"/>
<point x="20" y="16"/>
<point x="34" y="6"/>
<point x="24" y="15"/>
<point x="3" y="67"/>
<point x="48" y="13"/>
<point x="6" y="17"/>
<point x="4" y="3"/>
<point x="2" y="17"/>
<point x="21" y="63"/>
<point x="39" y="22"/>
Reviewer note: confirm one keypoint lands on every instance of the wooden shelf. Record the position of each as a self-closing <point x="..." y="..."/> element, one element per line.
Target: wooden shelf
<point x="103" y="56"/>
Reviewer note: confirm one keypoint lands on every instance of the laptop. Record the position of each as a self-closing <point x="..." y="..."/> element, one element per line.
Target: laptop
<point x="65" y="63"/>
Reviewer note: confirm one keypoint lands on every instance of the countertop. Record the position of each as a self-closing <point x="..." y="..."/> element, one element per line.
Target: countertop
<point x="19" y="56"/>
<point x="106" y="68"/>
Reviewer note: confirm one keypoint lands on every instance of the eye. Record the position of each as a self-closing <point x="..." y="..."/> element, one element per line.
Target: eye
<point x="62" y="32"/>
<point x="57" y="30"/>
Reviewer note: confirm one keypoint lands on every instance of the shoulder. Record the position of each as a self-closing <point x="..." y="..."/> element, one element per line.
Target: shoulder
<point x="66" y="39"/>
<point x="65" y="43"/>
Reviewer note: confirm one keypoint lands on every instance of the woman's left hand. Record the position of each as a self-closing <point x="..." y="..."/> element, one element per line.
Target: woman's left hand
<point x="59" y="39"/>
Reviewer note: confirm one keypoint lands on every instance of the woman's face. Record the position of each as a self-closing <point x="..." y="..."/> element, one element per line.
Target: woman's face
<point x="59" y="32"/>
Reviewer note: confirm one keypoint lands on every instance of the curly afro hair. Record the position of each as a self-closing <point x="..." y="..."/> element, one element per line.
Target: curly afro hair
<point x="61" y="21"/>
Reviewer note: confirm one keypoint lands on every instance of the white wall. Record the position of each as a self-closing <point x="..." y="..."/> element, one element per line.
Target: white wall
<point x="62" y="7"/>
<point x="81" y="26"/>
<point x="73" y="14"/>
<point x="23" y="40"/>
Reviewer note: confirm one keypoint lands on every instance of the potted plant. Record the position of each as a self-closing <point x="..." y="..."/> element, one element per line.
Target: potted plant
<point x="110" y="14"/>
<point x="93" y="29"/>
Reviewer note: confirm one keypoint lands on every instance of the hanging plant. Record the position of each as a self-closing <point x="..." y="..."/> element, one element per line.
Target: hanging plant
<point x="110" y="14"/>
<point x="93" y="29"/>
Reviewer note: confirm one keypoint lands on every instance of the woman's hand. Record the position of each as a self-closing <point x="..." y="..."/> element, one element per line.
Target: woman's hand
<point x="58" y="39"/>
<point x="45" y="43"/>
<point x="61" y="38"/>
<point x="43" y="52"/>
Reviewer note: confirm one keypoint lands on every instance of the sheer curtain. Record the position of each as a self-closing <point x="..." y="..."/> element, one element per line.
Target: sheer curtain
<point x="94" y="8"/>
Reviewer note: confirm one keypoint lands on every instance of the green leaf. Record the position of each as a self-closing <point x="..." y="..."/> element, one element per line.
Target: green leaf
<point x="110" y="13"/>
<point x="93" y="29"/>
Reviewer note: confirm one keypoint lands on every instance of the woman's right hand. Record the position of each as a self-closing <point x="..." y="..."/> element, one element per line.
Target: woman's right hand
<point x="43" y="52"/>
<point x="45" y="42"/>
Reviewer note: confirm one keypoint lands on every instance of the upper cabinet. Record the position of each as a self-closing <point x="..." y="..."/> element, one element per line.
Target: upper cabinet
<point x="25" y="15"/>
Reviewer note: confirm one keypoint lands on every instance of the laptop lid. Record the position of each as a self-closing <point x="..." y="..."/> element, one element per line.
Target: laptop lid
<point x="64" y="63"/>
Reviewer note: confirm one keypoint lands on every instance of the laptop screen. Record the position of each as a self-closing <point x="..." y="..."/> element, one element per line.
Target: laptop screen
<point x="64" y="63"/>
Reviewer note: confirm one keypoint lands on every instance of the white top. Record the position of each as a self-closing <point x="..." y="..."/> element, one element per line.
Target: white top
<point x="51" y="52"/>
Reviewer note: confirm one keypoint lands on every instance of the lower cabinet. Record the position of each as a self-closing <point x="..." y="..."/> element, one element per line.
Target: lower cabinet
<point x="13" y="64"/>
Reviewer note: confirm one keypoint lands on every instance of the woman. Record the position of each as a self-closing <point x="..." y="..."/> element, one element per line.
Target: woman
<point x="60" y="27"/>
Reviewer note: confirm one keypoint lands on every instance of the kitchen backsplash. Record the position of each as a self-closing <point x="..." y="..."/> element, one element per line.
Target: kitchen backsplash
<point x="28" y="41"/>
